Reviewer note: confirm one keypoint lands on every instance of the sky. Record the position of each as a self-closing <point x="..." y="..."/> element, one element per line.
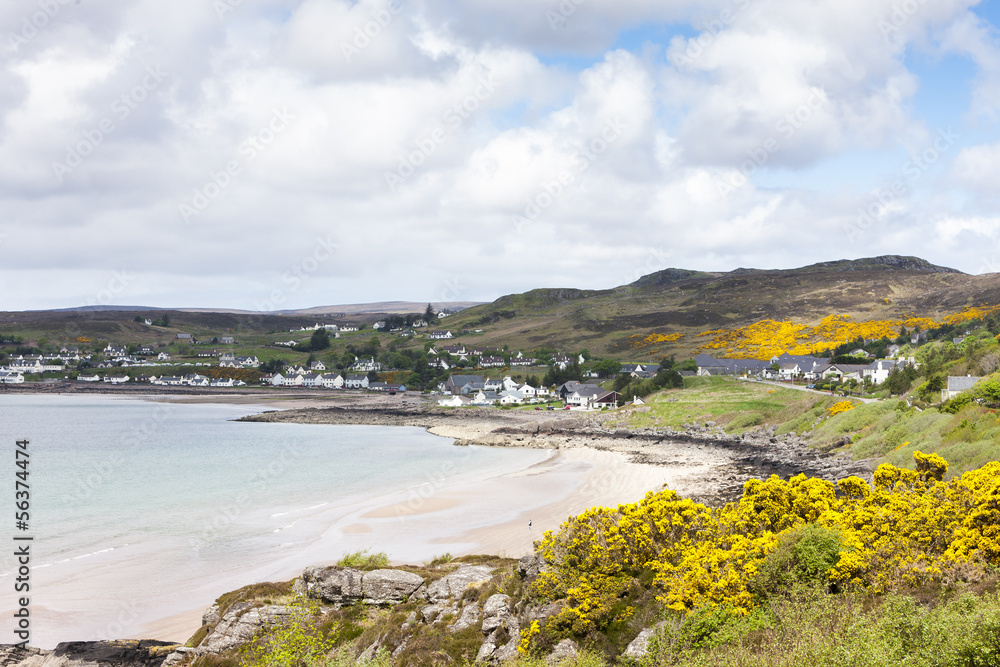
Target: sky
<point x="277" y="154"/>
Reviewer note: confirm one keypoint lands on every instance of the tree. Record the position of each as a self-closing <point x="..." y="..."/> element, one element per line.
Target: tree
<point x="320" y="340"/>
<point x="607" y="368"/>
<point x="429" y="314"/>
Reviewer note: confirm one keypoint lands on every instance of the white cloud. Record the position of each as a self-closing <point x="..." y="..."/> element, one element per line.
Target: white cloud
<point x="456" y="100"/>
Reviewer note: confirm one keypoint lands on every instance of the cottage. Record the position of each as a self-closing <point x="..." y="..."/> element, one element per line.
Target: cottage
<point x="163" y="356"/>
<point x="441" y="335"/>
<point x="356" y="381"/>
<point x="956" y="385"/>
<point x="89" y="378"/>
<point x="464" y="384"/>
<point x="317" y="366"/>
<point x="117" y="379"/>
<point x="333" y="381"/>
<point x="11" y="377"/>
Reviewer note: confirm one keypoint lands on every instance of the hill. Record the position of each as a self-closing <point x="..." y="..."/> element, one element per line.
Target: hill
<point x="672" y="311"/>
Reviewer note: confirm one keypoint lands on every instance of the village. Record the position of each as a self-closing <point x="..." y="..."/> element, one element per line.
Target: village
<point x="505" y="377"/>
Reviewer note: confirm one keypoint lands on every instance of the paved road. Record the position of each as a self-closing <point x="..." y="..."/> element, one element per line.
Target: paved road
<point x="799" y="387"/>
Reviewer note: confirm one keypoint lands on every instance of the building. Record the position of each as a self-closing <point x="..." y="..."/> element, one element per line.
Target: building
<point x="956" y="385"/>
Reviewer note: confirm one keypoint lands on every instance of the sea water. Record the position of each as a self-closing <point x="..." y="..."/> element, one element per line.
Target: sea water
<point x="140" y="509"/>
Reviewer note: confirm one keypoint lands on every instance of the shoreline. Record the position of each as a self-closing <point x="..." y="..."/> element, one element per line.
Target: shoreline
<point x="587" y="465"/>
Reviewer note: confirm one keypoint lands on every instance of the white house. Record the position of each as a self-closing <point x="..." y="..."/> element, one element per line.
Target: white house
<point x="89" y="378"/>
<point x="511" y="397"/>
<point x="956" y="385"/>
<point x="366" y="366"/>
<point x="277" y="380"/>
<point x="441" y="335"/>
<point x="333" y="381"/>
<point x="879" y="370"/>
<point x="117" y="379"/>
<point x="222" y="382"/>
<point x="529" y="392"/>
<point x="356" y="382"/>
<point x="196" y="380"/>
<point x="11" y="377"/>
<point x="163" y="356"/>
<point x="316" y="366"/>
<point x="312" y="380"/>
<point x="348" y="328"/>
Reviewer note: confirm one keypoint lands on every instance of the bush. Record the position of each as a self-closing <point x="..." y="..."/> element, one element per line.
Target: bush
<point x="364" y="560"/>
<point x="803" y="557"/>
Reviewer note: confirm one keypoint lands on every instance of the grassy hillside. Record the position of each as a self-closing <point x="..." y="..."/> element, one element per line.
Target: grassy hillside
<point x="665" y="312"/>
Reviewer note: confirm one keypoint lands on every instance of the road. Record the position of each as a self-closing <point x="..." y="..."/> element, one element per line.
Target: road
<point x="802" y="388"/>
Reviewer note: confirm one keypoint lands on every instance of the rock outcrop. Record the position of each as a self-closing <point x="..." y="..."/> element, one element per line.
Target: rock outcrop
<point x="122" y="653"/>
<point x="453" y="585"/>
<point x="345" y="585"/>
<point x="239" y="625"/>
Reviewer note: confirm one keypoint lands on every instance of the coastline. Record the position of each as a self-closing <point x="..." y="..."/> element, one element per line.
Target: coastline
<point x="579" y="464"/>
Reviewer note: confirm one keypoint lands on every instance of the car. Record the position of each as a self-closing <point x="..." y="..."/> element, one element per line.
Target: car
<point x="810" y="386"/>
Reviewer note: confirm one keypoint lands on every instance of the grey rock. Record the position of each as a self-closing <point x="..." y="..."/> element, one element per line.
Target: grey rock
<point x="486" y="651"/>
<point x="402" y="647"/>
<point x="530" y="566"/>
<point x="431" y="612"/>
<point x="467" y="618"/>
<point x="176" y="656"/>
<point x="211" y="615"/>
<point x="384" y="587"/>
<point x="454" y="584"/>
<point x="119" y="653"/>
<point x="240" y="624"/>
<point x="496" y="613"/>
<point x="508" y="652"/>
<point x="564" y="650"/>
<point x="543" y="612"/>
<point x="337" y="585"/>
<point x="639" y="646"/>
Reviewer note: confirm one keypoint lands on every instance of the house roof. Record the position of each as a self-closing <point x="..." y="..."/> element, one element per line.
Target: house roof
<point x="962" y="383"/>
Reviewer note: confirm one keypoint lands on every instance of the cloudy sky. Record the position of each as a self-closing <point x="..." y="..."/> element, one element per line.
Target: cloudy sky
<point x="270" y="154"/>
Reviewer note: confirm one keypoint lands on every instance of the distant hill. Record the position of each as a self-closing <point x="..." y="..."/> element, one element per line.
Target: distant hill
<point x="672" y="307"/>
<point x="387" y="307"/>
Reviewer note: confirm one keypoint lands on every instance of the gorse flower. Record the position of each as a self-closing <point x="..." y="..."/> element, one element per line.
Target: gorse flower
<point x="910" y="527"/>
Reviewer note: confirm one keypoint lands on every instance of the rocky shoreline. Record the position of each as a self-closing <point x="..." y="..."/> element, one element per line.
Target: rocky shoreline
<point x="739" y="457"/>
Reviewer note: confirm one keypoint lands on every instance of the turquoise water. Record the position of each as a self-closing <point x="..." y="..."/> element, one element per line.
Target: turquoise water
<point x="141" y="510"/>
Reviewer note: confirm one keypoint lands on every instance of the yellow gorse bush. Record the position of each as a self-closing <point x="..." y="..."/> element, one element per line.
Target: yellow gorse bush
<point x="910" y="526"/>
<point x="767" y="338"/>
<point x="837" y="408"/>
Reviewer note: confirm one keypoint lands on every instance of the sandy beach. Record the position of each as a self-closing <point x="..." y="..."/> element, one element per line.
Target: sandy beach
<point x="487" y="514"/>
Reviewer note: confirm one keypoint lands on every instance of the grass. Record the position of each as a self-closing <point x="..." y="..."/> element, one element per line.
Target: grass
<point x="734" y="404"/>
<point x="892" y="431"/>
<point x="363" y="560"/>
<point x="831" y="631"/>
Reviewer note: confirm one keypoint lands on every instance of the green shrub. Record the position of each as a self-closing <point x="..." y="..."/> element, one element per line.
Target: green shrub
<point x="803" y="557"/>
<point x="364" y="560"/>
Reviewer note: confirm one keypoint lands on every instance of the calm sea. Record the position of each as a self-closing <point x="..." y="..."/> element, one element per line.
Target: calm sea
<point x="141" y="510"/>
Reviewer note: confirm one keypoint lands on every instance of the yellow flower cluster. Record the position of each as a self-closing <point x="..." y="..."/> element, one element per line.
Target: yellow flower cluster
<point x="637" y="341"/>
<point x="837" y="408"/>
<point x="971" y="313"/>
<point x="911" y="526"/>
<point x="768" y="338"/>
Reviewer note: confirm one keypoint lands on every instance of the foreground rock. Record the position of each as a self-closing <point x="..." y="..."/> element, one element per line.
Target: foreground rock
<point x="124" y="653"/>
